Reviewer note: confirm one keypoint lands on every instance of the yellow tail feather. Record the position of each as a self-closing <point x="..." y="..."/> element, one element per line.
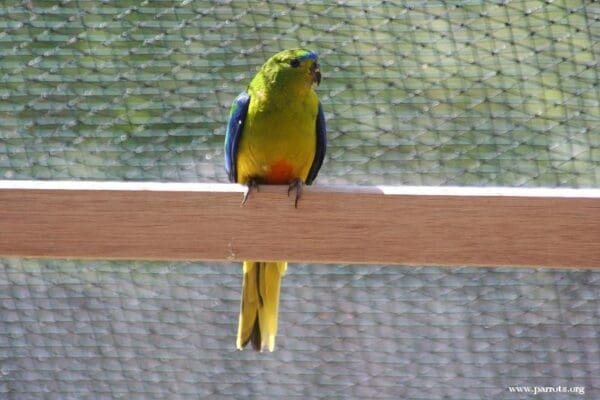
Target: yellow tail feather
<point x="260" y="304"/>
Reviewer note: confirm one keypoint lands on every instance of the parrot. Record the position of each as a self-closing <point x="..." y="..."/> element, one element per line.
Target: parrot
<point x="276" y="135"/>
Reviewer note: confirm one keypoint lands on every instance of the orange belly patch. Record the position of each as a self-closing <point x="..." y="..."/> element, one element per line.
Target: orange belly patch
<point x="280" y="172"/>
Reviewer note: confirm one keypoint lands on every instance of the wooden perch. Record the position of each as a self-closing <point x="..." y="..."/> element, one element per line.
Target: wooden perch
<point x="449" y="226"/>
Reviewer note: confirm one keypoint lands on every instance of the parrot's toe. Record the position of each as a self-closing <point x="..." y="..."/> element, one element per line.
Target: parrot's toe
<point x="296" y="186"/>
<point x="252" y="184"/>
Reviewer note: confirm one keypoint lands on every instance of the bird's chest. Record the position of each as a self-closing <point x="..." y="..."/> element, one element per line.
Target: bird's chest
<point x="277" y="145"/>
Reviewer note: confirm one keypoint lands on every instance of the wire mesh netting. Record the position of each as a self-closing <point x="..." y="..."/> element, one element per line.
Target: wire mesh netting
<point x="425" y="92"/>
<point x="463" y="92"/>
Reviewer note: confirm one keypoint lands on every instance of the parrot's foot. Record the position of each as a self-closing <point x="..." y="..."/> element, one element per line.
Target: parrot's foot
<point x="296" y="185"/>
<point x="252" y="184"/>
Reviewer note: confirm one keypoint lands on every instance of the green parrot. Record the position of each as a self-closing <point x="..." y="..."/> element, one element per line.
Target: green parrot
<point x="276" y="135"/>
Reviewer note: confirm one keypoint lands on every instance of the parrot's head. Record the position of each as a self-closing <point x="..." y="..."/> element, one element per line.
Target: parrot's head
<point x="297" y="68"/>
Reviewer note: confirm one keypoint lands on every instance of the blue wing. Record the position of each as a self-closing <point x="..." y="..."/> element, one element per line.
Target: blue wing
<point x="237" y="116"/>
<point x="321" y="145"/>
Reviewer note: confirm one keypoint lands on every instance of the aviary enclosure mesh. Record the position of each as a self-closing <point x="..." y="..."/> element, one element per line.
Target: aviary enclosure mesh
<point x="416" y="92"/>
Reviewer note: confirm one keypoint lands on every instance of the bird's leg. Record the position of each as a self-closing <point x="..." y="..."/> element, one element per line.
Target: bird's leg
<point x="251" y="184"/>
<point x="296" y="185"/>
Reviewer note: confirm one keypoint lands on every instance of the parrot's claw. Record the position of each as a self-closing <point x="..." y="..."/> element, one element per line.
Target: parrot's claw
<point x="252" y="184"/>
<point x="296" y="185"/>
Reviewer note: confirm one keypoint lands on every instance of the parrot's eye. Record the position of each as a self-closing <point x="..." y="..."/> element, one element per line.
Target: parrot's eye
<point x="295" y="63"/>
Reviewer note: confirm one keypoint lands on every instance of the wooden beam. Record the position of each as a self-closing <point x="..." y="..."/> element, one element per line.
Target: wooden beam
<point x="449" y="226"/>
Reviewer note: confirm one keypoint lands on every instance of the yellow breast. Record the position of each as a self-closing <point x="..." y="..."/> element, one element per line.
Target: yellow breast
<point x="278" y="143"/>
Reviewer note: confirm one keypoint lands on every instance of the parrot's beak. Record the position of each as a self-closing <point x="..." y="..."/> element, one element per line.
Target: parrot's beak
<point x="316" y="73"/>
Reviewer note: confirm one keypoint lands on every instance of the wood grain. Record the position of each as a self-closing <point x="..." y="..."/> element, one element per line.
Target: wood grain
<point x="448" y="226"/>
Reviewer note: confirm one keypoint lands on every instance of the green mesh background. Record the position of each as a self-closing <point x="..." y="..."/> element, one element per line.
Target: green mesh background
<point x="464" y="92"/>
<point x="415" y="92"/>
